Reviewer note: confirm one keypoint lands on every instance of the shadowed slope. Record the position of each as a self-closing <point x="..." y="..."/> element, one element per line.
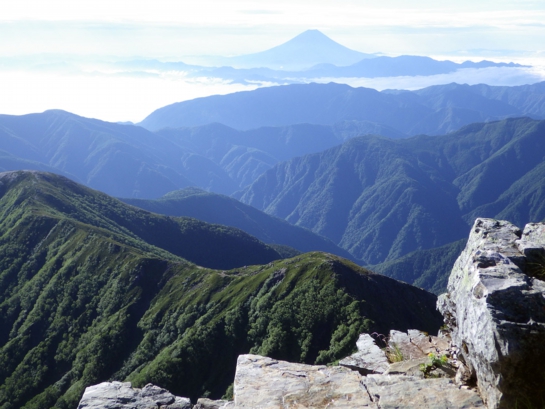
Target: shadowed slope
<point x="213" y="208"/>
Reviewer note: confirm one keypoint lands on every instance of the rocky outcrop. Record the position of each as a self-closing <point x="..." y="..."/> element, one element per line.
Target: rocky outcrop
<point x="267" y="383"/>
<point x="204" y="403"/>
<point x="369" y="358"/>
<point x="415" y="344"/>
<point x="412" y="348"/>
<point x="495" y="309"/>
<point x="408" y="392"/>
<point x="121" y="395"/>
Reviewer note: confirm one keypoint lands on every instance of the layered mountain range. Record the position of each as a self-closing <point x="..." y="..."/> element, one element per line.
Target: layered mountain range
<point x="128" y="161"/>
<point x="381" y="198"/>
<point x="373" y="199"/>
<point x="309" y="55"/>
<point x="93" y="289"/>
<point x="246" y="219"/>
<point x="433" y="110"/>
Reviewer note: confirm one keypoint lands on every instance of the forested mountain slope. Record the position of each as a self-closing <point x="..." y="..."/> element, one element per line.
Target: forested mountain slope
<point x="381" y="198"/>
<point x="214" y="208"/>
<point x="89" y="292"/>
<point x="428" y="269"/>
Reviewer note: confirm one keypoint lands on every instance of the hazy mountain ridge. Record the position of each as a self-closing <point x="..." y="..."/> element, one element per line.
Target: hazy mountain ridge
<point x="370" y="67"/>
<point x="91" y="151"/>
<point x="309" y="55"/>
<point x="83" y="299"/>
<point x="381" y="199"/>
<point x="219" y="209"/>
<point x="433" y="110"/>
<point x="129" y="161"/>
<point x="429" y="268"/>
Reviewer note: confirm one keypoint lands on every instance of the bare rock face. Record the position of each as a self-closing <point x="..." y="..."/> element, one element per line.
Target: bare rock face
<point x="369" y="358"/>
<point x="409" y="392"/>
<point x="204" y="403"/>
<point x="267" y="383"/>
<point x="121" y="395"/>
<point x="495" y="308"/>
<point x="415" y="344"/>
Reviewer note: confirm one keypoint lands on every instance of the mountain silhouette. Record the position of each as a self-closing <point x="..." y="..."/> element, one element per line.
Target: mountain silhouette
<point x="309" y="48"/>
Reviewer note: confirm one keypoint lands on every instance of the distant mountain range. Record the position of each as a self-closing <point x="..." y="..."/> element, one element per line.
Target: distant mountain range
<point x="381" y="199"/>
<point x="90" y="291"/>
<point x="376" y="198"/>
<point x="405" y="65"/>
<point x="310" y="55"/>
<point x="434" y="110"/>
<point x="304" y="51"/>
<point x="129" y="161"/>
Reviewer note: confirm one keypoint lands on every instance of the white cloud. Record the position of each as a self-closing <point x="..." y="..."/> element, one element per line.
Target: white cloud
<point x="129" y="96"/>
<point x="172" y="29"/>
<point x="107" y="97"/>
<point x="498" y="76"/>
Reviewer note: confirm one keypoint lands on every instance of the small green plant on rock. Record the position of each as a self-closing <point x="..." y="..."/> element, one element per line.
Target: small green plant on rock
<point x="434" y="362"/>
<point x="229" y="393"/>
<point x="393" y="353"/>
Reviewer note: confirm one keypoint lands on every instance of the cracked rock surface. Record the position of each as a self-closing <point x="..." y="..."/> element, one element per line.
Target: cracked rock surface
<point x="265" y="383"/>
<point x="369" y="358"/>
<point x="495" y="308"/>
<point x="121" y="395"/>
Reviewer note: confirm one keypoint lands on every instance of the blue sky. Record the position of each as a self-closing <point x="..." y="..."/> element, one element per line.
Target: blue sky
<point x="54" y="32"/>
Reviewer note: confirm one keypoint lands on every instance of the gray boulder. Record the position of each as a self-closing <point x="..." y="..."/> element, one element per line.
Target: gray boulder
<point x="121" y="395"/>
<point x="369" y="358"/>
<point x="495" y="309"/>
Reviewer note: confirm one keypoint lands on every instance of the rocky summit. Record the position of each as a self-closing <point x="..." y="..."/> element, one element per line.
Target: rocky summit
<point x="121" y="395"/>
<point x="271" y="384"/>
<point x="489" y="354"/>
<point x="495" y="309"/>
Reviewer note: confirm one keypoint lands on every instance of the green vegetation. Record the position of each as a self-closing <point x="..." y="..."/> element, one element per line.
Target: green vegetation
<point x="434" y="362"/>
<point x="394" y="354"/>
<point x="219" y="209"/>
<point x="85" y="298"/>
